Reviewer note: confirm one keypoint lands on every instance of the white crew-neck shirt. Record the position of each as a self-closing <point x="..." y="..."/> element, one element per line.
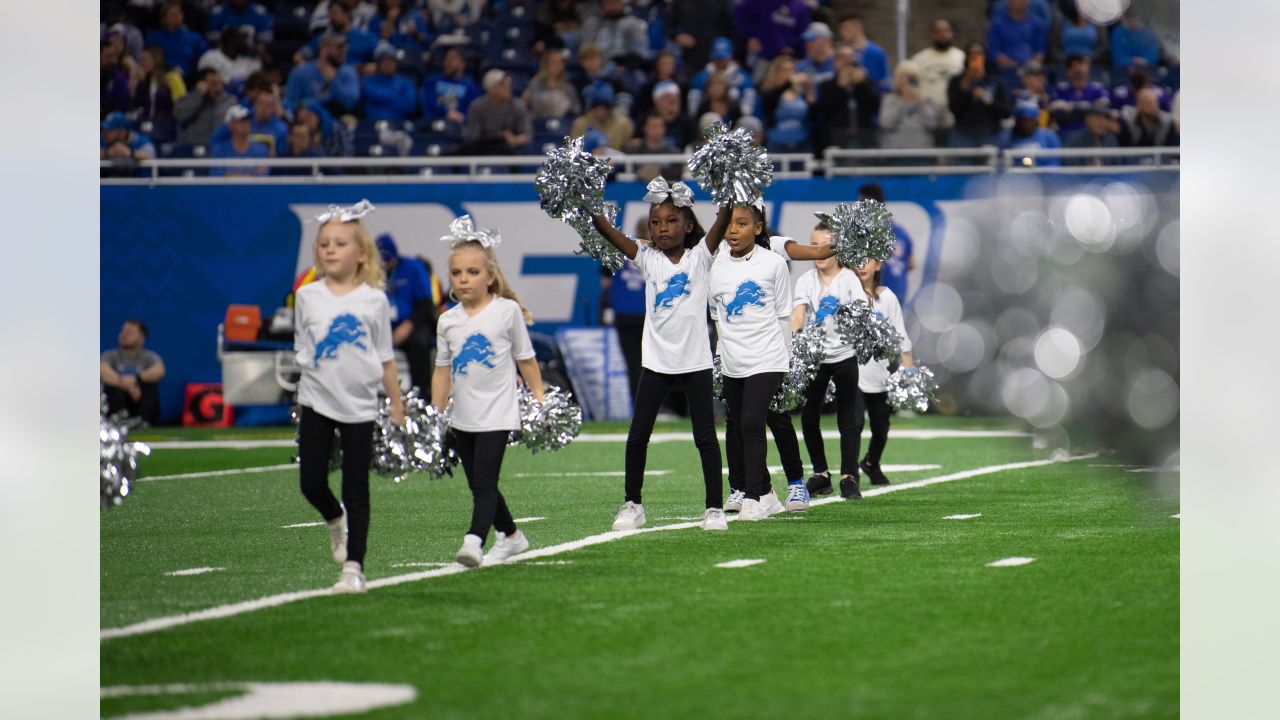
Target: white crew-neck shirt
<point x="749" y="295"/>
<point x="873" y="377"/>
<point x="480" y="351"/>
<point x="822" y="302"/>
<point x="341" y="343"/>
<point x="675" y="336"/>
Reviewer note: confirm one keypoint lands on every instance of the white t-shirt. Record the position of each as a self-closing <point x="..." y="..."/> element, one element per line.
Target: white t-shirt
<point x="481" y="351"/>
<point x="341" y="343"/>
<point x="874" y="376"/>
<point x="750" y="296"/>
<point x="675" y="310"/>
<point x="822" y="302"/>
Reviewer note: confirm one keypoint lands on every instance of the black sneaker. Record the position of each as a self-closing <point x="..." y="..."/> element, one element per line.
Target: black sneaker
<point x="849" y="488"/>
<point x="873" y="472"/>
<point x="819" y="485"/>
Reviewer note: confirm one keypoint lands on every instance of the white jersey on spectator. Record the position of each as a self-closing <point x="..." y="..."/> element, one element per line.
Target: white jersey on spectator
<point x="341" y="343"/>
<point x="675" y="339"/>
<point x="480" y="351"/>
<point x="874" y="376"/>
<point x="751" y="298"/>
<point x="823" y="301"/>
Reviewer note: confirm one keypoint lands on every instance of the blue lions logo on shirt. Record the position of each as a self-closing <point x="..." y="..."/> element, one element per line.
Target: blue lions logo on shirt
<point x="477" y="349"/>
<point x="677" y="286"/>
<point x="827" y="307"/>
<point x="344" y="330"/>
<point x="748" y="293"/>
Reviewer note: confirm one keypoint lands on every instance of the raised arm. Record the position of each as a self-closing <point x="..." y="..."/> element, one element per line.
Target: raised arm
<point x="796" y="251"/>
<point x="716" y="233"/>
<point x="625" y="245"/>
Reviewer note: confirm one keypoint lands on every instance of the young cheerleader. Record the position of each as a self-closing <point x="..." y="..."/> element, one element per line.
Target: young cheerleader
<point x="819" y="293"/>
<point x="343" y="340"/>
<point x="479" y="344"/>
<point x="675" y="349"/>
<point x="873" y="377"/>
<point x="751" y="295"/>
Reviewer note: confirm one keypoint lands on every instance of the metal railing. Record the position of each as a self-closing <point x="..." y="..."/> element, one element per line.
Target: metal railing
<point x="944" y="161"/>
<point x="1092" y="160"/>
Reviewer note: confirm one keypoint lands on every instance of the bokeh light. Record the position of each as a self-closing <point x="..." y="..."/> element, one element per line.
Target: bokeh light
<point x="1102" y="12"/>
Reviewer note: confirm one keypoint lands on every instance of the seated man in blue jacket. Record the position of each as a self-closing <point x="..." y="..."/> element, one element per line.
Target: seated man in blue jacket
<point x="413" y="311"/>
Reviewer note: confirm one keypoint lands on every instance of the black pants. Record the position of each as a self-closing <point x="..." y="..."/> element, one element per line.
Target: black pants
<point x="876" y="407"/>
<point x="481" y="454"/>
<point x="630" y="329"/>
<point x="747" y="402"/>
<point x="315" y="444"/>
<point x="652" y="390"/>
<point x="147" y="406"/>
<point x="417" y="349"/>
<point x="845" y="374"/>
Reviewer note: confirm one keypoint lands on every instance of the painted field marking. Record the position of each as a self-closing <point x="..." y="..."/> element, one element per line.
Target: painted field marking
<point x="602" y="473"/>
<point x="886" y="468"/>
<point x="420" y="564"/>
<point x="1177" y="517"/>
<point x="302" y="525"/>
<point x="550" y="562"/>
<point x="1171" y="468"/>
<point x="220" y="473"/>
<point x="194" y="571"/>
<point x="745" y="562"/>
<point x="1011" y="562"/>
<point x="962" y="517"/>
<point x="528" y="519"/>
<point x="272" y="700"/>
<point x="238" y="608"/>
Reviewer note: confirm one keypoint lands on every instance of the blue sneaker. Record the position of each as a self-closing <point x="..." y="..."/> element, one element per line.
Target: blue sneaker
<point x="797" y="497"/>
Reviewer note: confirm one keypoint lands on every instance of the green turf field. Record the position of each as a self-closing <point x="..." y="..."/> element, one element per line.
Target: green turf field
<point x="879" y="608"/>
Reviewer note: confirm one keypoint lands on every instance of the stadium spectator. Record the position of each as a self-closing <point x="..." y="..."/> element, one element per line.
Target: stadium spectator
<point x="1133" y="42"/>
<point x="1096" y="133"/>
<point x="664" y="67"/>
<point x="115" y="77"/>
<point x="772" y="27"/>
<point x="266" y="124"/>
<point x="1071" y="33"/>
<point x="360" y="44"/>
<point x="753" y="126"/>
<point x="695" y="26"/>
<point x="741" y="90"/>
<point x="977" y="100"/>
<point x="907" y="117"/>
<point x="938" y="63"/>
<point x="239" y="145"/>
<point x="232" y="58"/>
<point x="327" y="78"/>
<point x="450" y="15"/>
<point x="622" y="37"/>
<point x="550" y="93"/>
<point x="1073" y="95"/>
<point x="668" y="103"/>
<point x="301" y="144"/>
<point x="1034" y="89"/>
<point x="895" y="271"/>
<point x="406" y="28"/>
<point x="130" y="375"/>
<point x="362" y="12"/>
<point x="871" y="56"/>
<point x="120" y="141"/>
<point x="155" y="90"/>
<point x="785" y="107"/>
<point x="332" y="135"/>
<point x="719" y="100"/>
<point x="556" y="24"/>
<point x="413" y="311"/>
<point x="497" y="123"/>
<point x="1139" y="77"/>
<point x="446" y="95"/>
<point x="819" y="61"/>
<point x="1039" y="8"/>
<point x="653" y="140"/>
<point x="182" y="46"/>
<point x="848" y="106"/>
<point x="387" y="94"/>
<point x="116" y="20"/>
<point x="250" y="18"/>
<point x="1026" y="133"/>
<point x="600" y="114"/>
<point x="1145" y="124"/>
<point x="203" y="109"/>
<point x="1016" y="36"/>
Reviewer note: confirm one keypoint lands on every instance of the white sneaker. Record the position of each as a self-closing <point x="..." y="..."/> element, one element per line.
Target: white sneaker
<point x="470" y="554"/>
<point x="713" y="519"/>
<point x="505" y="547"/>
<point x="797" y="498"/>
<point x="770" y="504"/>
<point x="351" y="580"/>
<point x="734" y="503"/>
<point x="338" y="538"/>
<point x="630" y="517"/>
<point x="751" y="510"/>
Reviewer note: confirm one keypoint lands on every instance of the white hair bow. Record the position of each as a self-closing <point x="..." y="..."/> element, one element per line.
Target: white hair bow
<point x="346" y="214"/>
<point x="660" y="191"/>
<point x="463" y="230"/>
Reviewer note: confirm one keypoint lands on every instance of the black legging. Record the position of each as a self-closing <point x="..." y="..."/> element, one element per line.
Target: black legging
<point x="652" y="390"/>
<point x="845" y="374"/>
<point x="876" y="407"/>
<point x="315" y="443"/>
<point x="481" y="454"/>
<point x="747" y="400"/>
<point x="784" y="438"/>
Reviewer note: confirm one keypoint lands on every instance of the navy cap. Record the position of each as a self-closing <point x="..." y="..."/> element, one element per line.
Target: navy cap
<point x="387" y="247"/>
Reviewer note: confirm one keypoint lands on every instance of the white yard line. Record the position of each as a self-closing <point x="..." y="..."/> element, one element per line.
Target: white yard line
<point x="302" y="525"/>
<point x="745" y="562"/>
<point x="194" y="571"/>
<point x="239" y="608"/>
<point x="1011" y="562"/>
<point x="601" y="473"/>
<point x="221" y="473"/>
<point x="962" y="517"/>
<point x="528" y="519"/>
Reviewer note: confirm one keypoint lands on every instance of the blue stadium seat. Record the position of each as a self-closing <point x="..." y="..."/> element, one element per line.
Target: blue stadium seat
<point x="552" y="125"/>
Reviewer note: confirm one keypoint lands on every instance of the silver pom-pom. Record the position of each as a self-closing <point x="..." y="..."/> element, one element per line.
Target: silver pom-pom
<point x="870" y="335"/>
<point x="548" y="425"/>
<point x="731" y="167"/>
<point x="912" y="388"/>
<point x="570" y="182"/>
<point x="806" y="355"/>
<point x="717" y="378"/>
<point x="860" y="231"/>
<point x="830" y="396"/>
<point x="594" y="244"/>
<point x="423" y="444"/>
<point x="118" y="458"/>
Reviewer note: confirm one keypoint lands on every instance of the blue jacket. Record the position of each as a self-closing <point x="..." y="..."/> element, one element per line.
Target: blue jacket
<point x="388" y="97"/>
<point x="275" y="128"/>
<point x="227" y="150"/>
<point x="1041" y="138"/>
<point x="407" y="285"/>
<point x="307" y="82"/>
<point x="1017" y="40"/>
<point x="439" y="89"/>
<point x="182" y="47"/>
<point x="360" y="47"/>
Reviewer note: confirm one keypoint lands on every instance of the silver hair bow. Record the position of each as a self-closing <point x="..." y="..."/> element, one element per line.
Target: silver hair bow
<point x="463" y="230"/>
<point x="346" y="214"/>
<point x="659" y="191"/>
